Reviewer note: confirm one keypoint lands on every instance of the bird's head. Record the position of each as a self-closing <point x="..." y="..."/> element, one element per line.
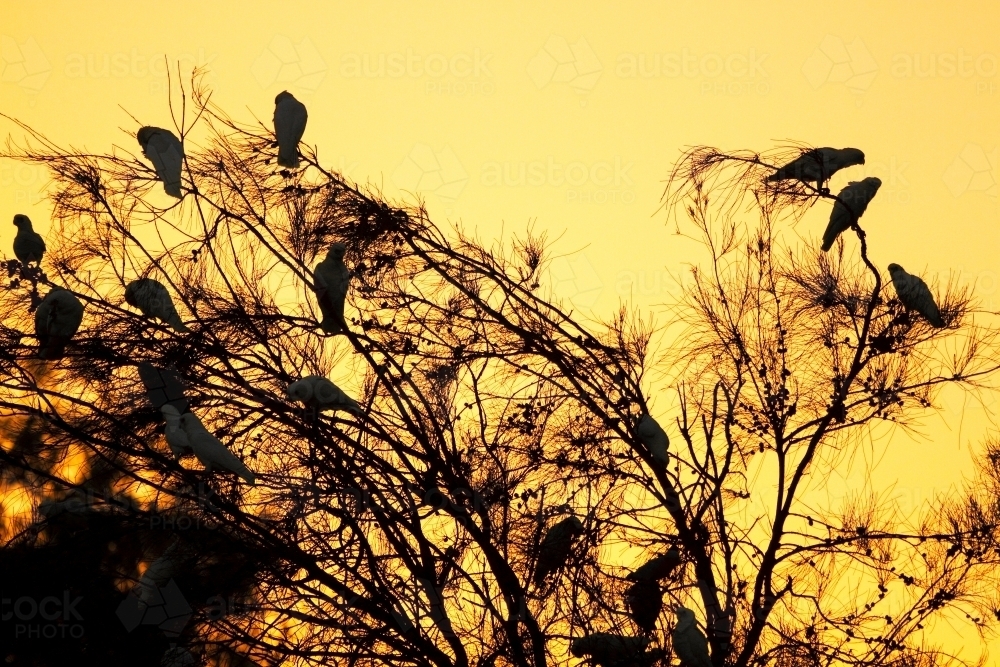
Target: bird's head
<point x="144" y="135"/>
<point x="684" y="615"/>
<point x="874" y="183"/>
<point x="170" y="413"/>
<point x="283" y="95"/>
<point x="190" y="420"/>
<point x="574" y="524"/>
<point x="22" y="221"/>
<point x="853" y="156"/>
<point x="300" y="390"/>
<point x="894" y="269"/>
<point x="337" y="251"/>
<point x="578" y="647"/>
<point x="130" y="293"/>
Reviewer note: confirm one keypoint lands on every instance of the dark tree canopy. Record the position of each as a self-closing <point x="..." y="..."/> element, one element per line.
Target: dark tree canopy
<point x="432" y="526"/>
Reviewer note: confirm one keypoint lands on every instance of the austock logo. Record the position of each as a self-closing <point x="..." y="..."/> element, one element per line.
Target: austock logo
<point x="49" y="617"/>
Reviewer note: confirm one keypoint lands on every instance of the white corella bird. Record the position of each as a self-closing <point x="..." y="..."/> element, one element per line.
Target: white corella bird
<point x="818" y="165"/>
<point x="29" y="246"/>
<point x="210" y="451"/>
<point x="690" y="644"/>
<point x="57" y="319"/>
<point x="318" y="392"/>
<point x="915" y="295"/>
<point x="166" y="152"/>
<point x="654" y="437"/>
<point x="555" y="547"/>
<point x="331" y="277"/>
<point x="157" y="575"/>
<point x="152" y="298"/>
<point x="176" y="436"/>
<point x="289" y="125"/>
<point x="851" y="204"/>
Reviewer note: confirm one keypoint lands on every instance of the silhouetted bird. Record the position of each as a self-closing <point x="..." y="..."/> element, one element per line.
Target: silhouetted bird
<point x="331" y="277"/>
<point x="555" y="548"/>
<point x="818" y="165"/>
<point x="210" y="450"/>
<point x="58" y="317"/>
<point x="165" y="151"/>
<point x="657" y="568"/>
<point x="29" y="246"/>
<point x="152" y="298"/>
<point x="645" y="602"/>
<point x="319" y="392"/>
<point x="851" y="204"/>
<point x="915" y="295"/>
<point x="654" y="437"/>
<point x="606" y="649"/>
<point x="689" y="643"/>
<point x="289" y="125"/>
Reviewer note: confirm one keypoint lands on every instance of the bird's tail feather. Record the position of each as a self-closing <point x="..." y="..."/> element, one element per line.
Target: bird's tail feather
<point x="289" y="159"/>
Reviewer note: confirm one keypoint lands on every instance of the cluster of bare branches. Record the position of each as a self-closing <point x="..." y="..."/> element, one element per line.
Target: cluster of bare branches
<point x="410" y="534"/>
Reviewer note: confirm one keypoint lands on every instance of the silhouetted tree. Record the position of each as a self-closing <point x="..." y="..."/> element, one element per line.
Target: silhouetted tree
<point x="410" y="533"/>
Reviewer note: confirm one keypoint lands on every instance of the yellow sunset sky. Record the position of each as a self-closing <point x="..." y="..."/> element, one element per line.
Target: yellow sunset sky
<point x="569" y="116"/>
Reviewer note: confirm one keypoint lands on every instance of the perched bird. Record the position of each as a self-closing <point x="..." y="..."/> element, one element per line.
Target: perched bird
<point x="178" y="656"/>
<point x="166" y="152"/>
<point x="163" y="386"/>
<point x="818" y="164"/>
<point x="158" y="574"/>
<point x="331" y="277"/>
<point x="74" y="504"/>
<point x="29" y="246"/>
<point x="319" y="392"/>
<point x="849" y="207"/>
<point x="915" y="295"/>
<point x="177" y="437"/>
<point x="657" y="568"/>
<point x="289" y="125"/>
<point x="153" y="299"/>
<point x="58" y="317"/>
<point x="654" y="437"/>
<point x="555" y="548"/>
<point x="606" y="649"/>
<point x="645" y="602"/>
<point x="210" y="450"/>
<point x="690" y="644"/>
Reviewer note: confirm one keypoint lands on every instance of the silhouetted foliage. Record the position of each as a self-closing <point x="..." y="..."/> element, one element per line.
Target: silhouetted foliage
<point x="410" y="534"/>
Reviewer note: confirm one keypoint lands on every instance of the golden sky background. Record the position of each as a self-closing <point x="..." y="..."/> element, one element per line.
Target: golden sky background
<point x="570" y="115"/>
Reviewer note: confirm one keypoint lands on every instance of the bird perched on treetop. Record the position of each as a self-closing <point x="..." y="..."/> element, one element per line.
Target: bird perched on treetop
<point x="210" y="450"/>
<point x="319" y="392"/>
<point x="331" y="277"/>
<point x="152" y="298"/>
<point x="689" y="643"/>
<point x="915" y="295"/>
<point x="29" y="246"/>
<point x="849" y="207"/>
<point x="657" y="568"/>
<point x="58" y="317"/>
<point x="818" y="164"/>
<point x="555" y="548"/>
<point x="166" y="152"/>
<point x="289" y="125"/>
<point x="654" y="437"/>
<point x="606" y="649"/>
